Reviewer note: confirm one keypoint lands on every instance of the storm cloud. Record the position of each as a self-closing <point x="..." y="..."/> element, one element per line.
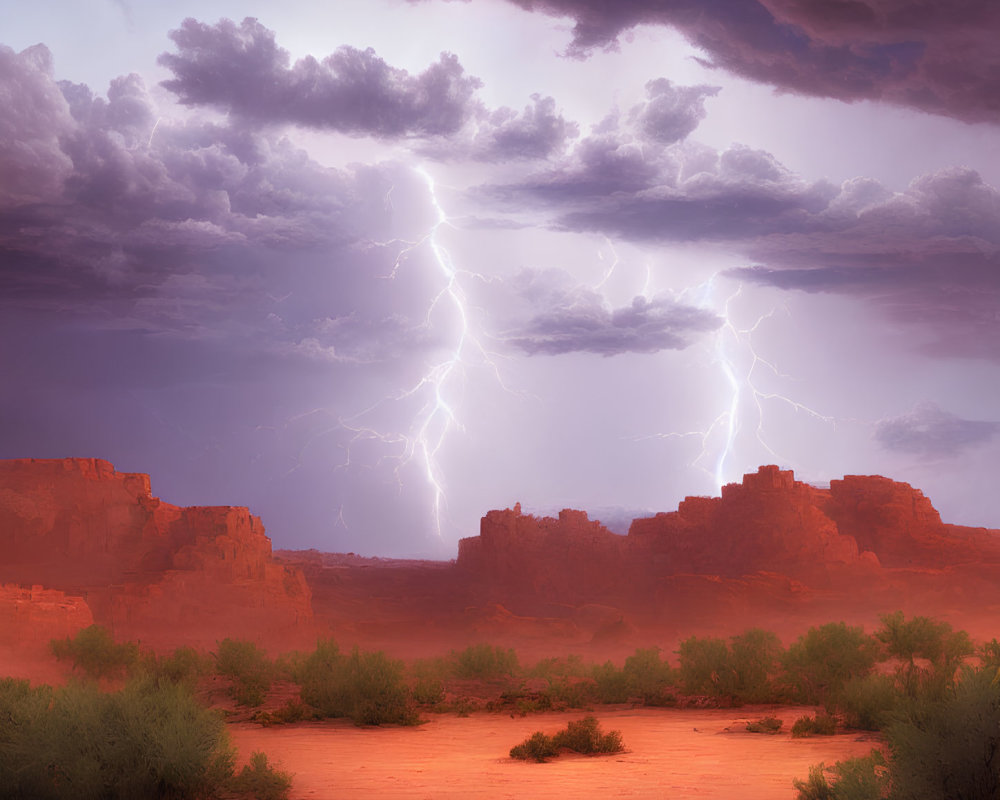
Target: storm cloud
<point x="930" y="432"/>
<point x="241" y="70"/>
<point x="897" y="51"/>
<point x="560" y="316"/>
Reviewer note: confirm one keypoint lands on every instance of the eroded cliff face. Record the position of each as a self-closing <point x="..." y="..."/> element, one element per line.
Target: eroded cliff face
<point x="860" y="531"/>
<point x="145" y="568"/>
<point x="33" y="616"/>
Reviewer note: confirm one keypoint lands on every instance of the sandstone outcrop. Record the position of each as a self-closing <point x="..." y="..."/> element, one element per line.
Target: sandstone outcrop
<point x="146" y="569"/>
<point x="777" y="531"/>
<point x="33" y="616"/>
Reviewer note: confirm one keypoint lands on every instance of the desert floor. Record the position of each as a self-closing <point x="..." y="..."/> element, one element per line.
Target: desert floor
<point x="669" y="753"/>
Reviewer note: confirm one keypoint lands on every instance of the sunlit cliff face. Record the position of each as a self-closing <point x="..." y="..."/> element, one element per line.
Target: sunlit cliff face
<point x="372" y="280"/>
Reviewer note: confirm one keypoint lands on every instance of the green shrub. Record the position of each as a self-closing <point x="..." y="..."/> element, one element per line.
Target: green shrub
<point x="765" y="725"/>
<point x="537" y="747"/>
<point x="149" y="740"/>
<point x="755" y="658"/>
<point x="868" y="702"/>
<point x="822" y="660"/>
<point x="570" y="693"/>
<point x="611" y="683"/>
<point x="94" y="651"/>
<point x="923" y="638"/>
<point x="261" y="781"/>
<point x="585" y="736"/>
<point x="581" y="736"/>
<point x="249" y="668"/>
<point x="570" y="666"/>
<point x="428" y="692"/>
<point x="706" y="667"/>
<point x="184" y="665"/>
<point x="484" y="661"/>
<point x="648" y="677"/>
<point x="815" y="787"/>
<point x="949" y="746"/>
<point x="365" y="686"/>
<point x="291" y="711"/>
<point x="820" y="725"/>
<point x="861" y="778"/>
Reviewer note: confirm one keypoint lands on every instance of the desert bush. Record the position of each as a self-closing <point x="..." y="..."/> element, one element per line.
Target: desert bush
<point x="861" y="778"/>
<point x="765" y="725"/>
<point x="815" y="787"/>
<point x="94" y="651"/>
<point x="427" y="691"/>
<point x="571" y="666"/>
<point x="365" y="686"/>
<point x="868" y="702"/>
<point x="822" y="660"/>
<point x="611" y="683"/>
<point x="484" y="661"/>
<point x="755" y="659"/>
<point x="572" y="693"/>
<point x="183" y="665"/>
<point x="989" y="654"/>
<point x="581" y="736"/>
<point x="249" y="668"/>
<point x="706" y="667"/>
<point x="820" y="725"/>
<point x="288" y="666"/>
<point x="585" y="736"/>
<point x="923" y="638"/>
<point x="261" y="781"/>
<point x="537" y="747"/>
<point x="149" y="740"/>
<point x="427" y="679"/>
<point x="949" y="746"/>
<point x="649" y="677"/>
<point x="291" y="711"/>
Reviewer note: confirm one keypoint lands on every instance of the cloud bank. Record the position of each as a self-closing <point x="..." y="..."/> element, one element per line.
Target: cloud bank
<point x="897" y="51"/>
<point x="930" y="432"/>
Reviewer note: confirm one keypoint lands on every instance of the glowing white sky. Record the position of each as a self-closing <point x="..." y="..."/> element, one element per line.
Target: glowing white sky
<point x="323" y="437"/>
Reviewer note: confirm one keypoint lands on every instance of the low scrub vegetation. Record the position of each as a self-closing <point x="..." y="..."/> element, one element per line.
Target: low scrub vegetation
<point x="820" y="725"/>
<point x="95" y="653"/>
<point x="365" y="686"/>
<point x="249" y="668"/>
<point x="149" y="740"/>
<point x="765" y="725"/>
<point x="579" y="736"/>
<point x="862" y="778"/>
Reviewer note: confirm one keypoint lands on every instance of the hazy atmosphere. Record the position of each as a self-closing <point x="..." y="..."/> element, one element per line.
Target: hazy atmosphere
<point x="375" y="268"/>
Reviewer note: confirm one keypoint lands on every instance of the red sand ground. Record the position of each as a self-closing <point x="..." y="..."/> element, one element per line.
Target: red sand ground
<point x="669" y="754"/>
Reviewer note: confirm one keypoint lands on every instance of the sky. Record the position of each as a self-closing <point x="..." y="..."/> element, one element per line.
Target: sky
<point x="377" y="267"/>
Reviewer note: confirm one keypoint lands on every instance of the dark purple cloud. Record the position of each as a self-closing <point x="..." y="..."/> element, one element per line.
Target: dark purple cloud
<point x="930" y="432"/>
<point x="645" y="326"/>
<point x="936" y="57"/>
<point x="929" y="255"/>
<point x="241" y="70"/>
<point x="671" y="112"/>
<point x="559" y="316"/>
<point x="102" y="197"/>
<point x="613" y="185"/>
<point x="539" y="131"/>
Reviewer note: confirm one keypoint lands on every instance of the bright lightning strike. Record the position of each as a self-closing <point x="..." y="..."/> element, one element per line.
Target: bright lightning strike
<point x="437" y="417"/>
<point x="739" y="362"/>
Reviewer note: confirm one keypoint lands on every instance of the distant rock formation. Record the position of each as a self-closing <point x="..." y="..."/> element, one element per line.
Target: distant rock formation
<point x="33" y="616"/>
<point x="144" y="567"/>
<point x="769" y="524"/>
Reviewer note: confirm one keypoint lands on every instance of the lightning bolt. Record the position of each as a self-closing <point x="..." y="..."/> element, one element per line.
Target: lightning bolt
<point x="739" y="363"/>
<point x="437" y="417"/>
